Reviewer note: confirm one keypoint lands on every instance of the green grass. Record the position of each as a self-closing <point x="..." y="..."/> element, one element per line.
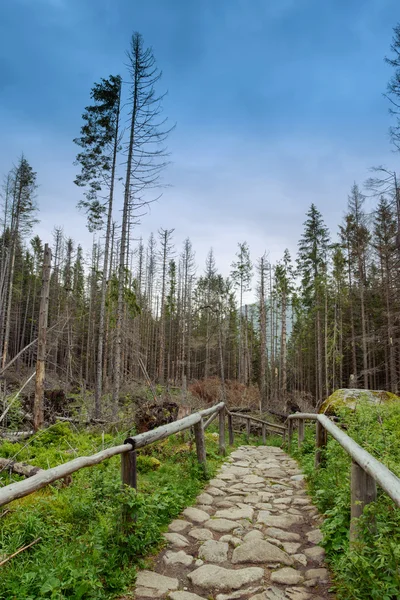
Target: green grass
<point x="370" y="569"/>
<point x="84" y="551"/>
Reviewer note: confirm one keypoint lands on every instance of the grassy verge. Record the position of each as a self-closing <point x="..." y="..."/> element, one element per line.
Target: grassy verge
<point x="370" y="569"/>
<point x="83" y="552"/>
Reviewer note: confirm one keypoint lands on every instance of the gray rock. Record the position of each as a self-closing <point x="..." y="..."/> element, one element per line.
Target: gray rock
<point x="272" y="593"/>
<point x="177" y="558"/>
<point x="300" y="477"/>
<point x="255" y="534"/>
<point x="315" y="536"/>
<point x="287" y="576"/>
<point x="217" y="483"/>
<point x="260" y="551"/>
<point x="221" y="525"/>
<point x="160" y="583"/>
<point x="215" y="552"/>
<point x="201" y="534"/>
<point x="144" y="592"/>
<point x="298" y="593"/>
<point x="205" y="498"/>
<point x="235" y="513"/>
<point x="231" y="540"/>
<point x="285" y="536"/>
<point x="212" y="577"/>
<point x="239" y="594"/>
<point x="178" y="525"/>
<point x="282" y="522"/>
<point x="301" y="558"/>
<point x="316" y="554"/>
<point x="215" y="491"/>
<point x="185" y="596"/>
<point x="176" y="539"/>
<point x="291" y="547"/>
<point x="318" y="574"/>
<point x="253" y="479"/>
<point x="196" y="515"/>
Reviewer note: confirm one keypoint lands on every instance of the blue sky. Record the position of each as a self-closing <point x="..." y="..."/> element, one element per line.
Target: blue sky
<point x="278" y="103"/>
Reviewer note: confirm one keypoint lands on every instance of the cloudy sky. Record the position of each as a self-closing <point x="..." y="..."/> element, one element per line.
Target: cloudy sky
<point x="278" y="103"/>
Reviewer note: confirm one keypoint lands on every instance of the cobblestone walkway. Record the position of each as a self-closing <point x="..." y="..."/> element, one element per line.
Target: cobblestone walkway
<point x="253" y="535"/>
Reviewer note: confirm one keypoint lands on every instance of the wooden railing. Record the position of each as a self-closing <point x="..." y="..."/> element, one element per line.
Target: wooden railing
<point x="366" y="471"/>
<point x="199" y="421"/>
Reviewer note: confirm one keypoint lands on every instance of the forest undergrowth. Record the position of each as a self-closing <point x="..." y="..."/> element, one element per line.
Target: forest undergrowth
<point x="369" y="569"/>
<point x="84" y="551"/>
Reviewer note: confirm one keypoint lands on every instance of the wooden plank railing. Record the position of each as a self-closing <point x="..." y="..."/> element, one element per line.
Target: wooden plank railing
<point x="366" y="471"/>
<point x="199" y="421"/>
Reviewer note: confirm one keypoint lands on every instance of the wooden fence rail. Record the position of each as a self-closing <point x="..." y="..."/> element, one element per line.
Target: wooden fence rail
<point x="199" y="421"/>
<point x="366" y="470"/>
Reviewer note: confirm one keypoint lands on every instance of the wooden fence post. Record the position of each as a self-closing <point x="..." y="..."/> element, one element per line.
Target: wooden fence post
<point x="222" y="448"/>
<point x="128" y="474"/>
<point x="320" y="442"/>
<point x="301" y="432"/>
<point x="248" y="424"/>
<point x="200" y="443"/>
<point x="363" y="491"/>
<point x="230" y="430"/>
<point x="290" y="433"/>
<point x="264" y="433"/>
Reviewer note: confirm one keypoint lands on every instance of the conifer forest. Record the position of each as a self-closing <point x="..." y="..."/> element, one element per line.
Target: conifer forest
<point x="324" y="318"/>
<point x="199" y="300"/>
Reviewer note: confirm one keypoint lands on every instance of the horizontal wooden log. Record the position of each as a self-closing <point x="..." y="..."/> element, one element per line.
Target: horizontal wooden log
<point x="213" y="409"/>
<point x="388" y="481"/>
<point x="36" y="482"/>
<point x="40" y="480"/>
<point x="6" y="464"/>
<point x="261" y="421"/>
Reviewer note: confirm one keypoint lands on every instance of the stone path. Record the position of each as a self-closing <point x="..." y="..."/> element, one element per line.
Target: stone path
<point x="253" y="535"/>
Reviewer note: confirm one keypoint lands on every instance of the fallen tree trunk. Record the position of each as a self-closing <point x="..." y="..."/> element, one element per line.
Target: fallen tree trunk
<point x="18" y="467"/>
<point x="15" y="436"/>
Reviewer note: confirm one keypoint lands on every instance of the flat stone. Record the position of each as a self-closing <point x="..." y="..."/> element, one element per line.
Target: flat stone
<point x="235" y="513"/>
<point x="224" y="504"/>
<point x="221" y="525"/>
<point x="231" y="540"/>
<point x="246" y="593"/>
<point x="205" y="498"/>
<point x="300" y="477"/>
<point x="178" y="525"/>
<point x="282" y="522"/>
<point x="196" y="515"/>
<point x="253" y="479"/>
<point x="201" y="534"/>
<point x="215" y="491"/>
<point x="298" y="593"/>
<point x="185" y="596"/>
<point x="213" y="577"/>
<point x="286" y="576"/>
<point x="316" y="554"/>
<point x="144" y="592"/>
<point x="217" y="483"/>
<point x="291" y="547"/>
<point x="285" y="536"/>
<point x="315" y="536"/>
<point x="318" y="574"/>
<point x="149" y="579"/>
<point x="215" y="552"/>
<point x="301" y="558"/>
<point x="255" y="534"/>
<point x="272" y="593"/>
<point x="178" y="558"/>
<point x="301" y="502"/>
<point x="176" y="539"/>
<point x="260" y="551"/>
